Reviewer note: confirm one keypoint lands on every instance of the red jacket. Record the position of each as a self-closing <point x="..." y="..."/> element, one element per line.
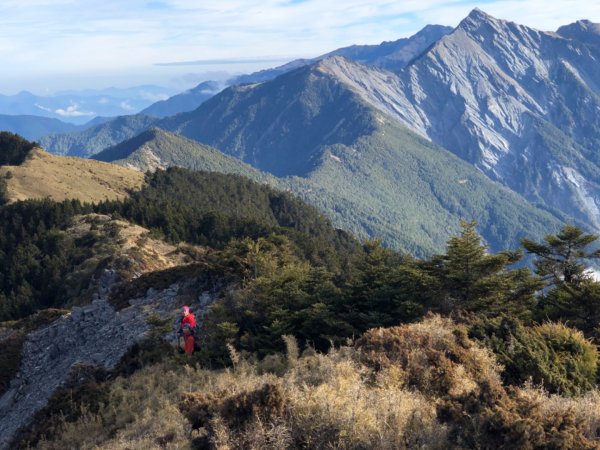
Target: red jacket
<point x="189" y="319"/>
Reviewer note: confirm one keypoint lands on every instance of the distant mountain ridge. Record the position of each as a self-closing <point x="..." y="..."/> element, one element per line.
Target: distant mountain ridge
<point x="518" y="104"/>
<point x="34" y="127"/>
<point x="371" y="176"/>
<point x="185" y="101"/>
<point x="582" y="30"/>
<point x="79" y="107"/>
<point x="393" y="56"/>
<point x="98" y="137"/>
<point x="390" y="55"/>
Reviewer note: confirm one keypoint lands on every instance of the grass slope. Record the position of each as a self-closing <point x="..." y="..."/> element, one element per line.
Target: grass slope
<point x="46" y="175"/>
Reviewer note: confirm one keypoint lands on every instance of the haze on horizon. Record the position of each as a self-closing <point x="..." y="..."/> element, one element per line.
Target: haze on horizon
<point x="52" y="45"/>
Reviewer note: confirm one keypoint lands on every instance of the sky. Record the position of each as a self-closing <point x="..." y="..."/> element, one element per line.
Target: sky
<point x="52" y="45"/>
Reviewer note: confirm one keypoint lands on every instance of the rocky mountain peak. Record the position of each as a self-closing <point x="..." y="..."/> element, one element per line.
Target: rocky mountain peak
<point x="583" y="31"/>
<point x="476" y="19"/>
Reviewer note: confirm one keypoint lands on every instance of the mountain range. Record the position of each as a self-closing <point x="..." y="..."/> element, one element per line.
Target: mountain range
<point x="511" y="108"/>
<point x="80" y="106"/>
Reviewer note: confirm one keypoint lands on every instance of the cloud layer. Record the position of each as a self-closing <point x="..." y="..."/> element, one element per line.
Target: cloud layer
<point x="52" y="38"/>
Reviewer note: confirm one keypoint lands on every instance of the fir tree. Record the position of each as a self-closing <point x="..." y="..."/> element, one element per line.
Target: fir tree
<point x="469" y="278"/>
<point x="560" y="258"/>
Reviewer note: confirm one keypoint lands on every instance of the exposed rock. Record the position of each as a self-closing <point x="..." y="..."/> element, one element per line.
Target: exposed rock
<point x="518" y="103"/>
<point x="93" y="335"/>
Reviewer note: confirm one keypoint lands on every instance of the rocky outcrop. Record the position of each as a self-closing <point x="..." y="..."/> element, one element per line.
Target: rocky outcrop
<point x="94" y="335"/>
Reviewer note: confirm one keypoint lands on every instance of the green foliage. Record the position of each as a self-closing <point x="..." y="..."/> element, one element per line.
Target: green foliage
<point x="574" y="296"/>
<point x="13" y="149"/>
<point x="382" y="290"/>
<point x="560" y="258"/>
<point x="468" y="278"/>
<point x="36" y="256"/>
<point x="212" y="208"/>
<point x="578" y="305"/>
<point x="395" y="186"/>
<point x="552" y="355"/>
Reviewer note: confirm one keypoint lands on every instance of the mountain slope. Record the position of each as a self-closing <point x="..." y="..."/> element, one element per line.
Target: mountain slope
<point x="301" y="112"/>
<point x="98" y="137"/>
<point x="183" y="102"/>
<point x="59" y="178"/>
<point x="582" y="30"/>
<point x="157" y="149"/>
<point x="519" y="104"/>
<point x="335" y="148"/>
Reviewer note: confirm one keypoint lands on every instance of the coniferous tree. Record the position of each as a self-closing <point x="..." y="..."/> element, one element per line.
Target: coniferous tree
<point x="469" y="278"/>
<point x="574" y="296"/>
<point x="560" y="258"/>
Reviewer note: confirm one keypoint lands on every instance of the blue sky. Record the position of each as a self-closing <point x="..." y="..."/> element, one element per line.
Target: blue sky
<point x="48" y="45"/>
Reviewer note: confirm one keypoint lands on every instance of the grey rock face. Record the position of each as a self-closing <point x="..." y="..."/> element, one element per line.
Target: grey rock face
<point x="93" y="335"/>
<point x="520" y="104"/>
<point x="582" y="30"/>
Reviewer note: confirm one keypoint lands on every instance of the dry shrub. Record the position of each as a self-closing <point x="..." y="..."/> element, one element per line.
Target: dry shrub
<point x="348" y="411"/>
<point x="585" y="408"/>
<point x="492" y="417"/>
<point x="423" y="385"/>
<point x="436" y="355"/>
<point x="218" y="411"/>
<point x="138" y="412"/>
<point x="437" y="358"/>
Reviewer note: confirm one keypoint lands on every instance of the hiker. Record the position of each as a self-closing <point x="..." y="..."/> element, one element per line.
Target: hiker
<point x="188" y="339"/>
<point x="186" y="331"/>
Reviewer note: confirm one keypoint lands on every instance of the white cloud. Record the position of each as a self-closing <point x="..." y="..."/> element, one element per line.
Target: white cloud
<point x="153" y="97"/>
<point x="126" y="106"/>
<point x="100" y="38"/>
<point x="43" y="108"/>
<point x="72" y="111"/>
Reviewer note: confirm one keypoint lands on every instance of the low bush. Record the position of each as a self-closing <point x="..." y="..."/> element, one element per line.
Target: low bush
<point x="553" y="355"/>
<point x="436" y="354"/>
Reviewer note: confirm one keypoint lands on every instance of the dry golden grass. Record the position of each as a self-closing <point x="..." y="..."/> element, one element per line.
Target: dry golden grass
<point x="337" y="400"/>
<point x="61" y="177"/>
